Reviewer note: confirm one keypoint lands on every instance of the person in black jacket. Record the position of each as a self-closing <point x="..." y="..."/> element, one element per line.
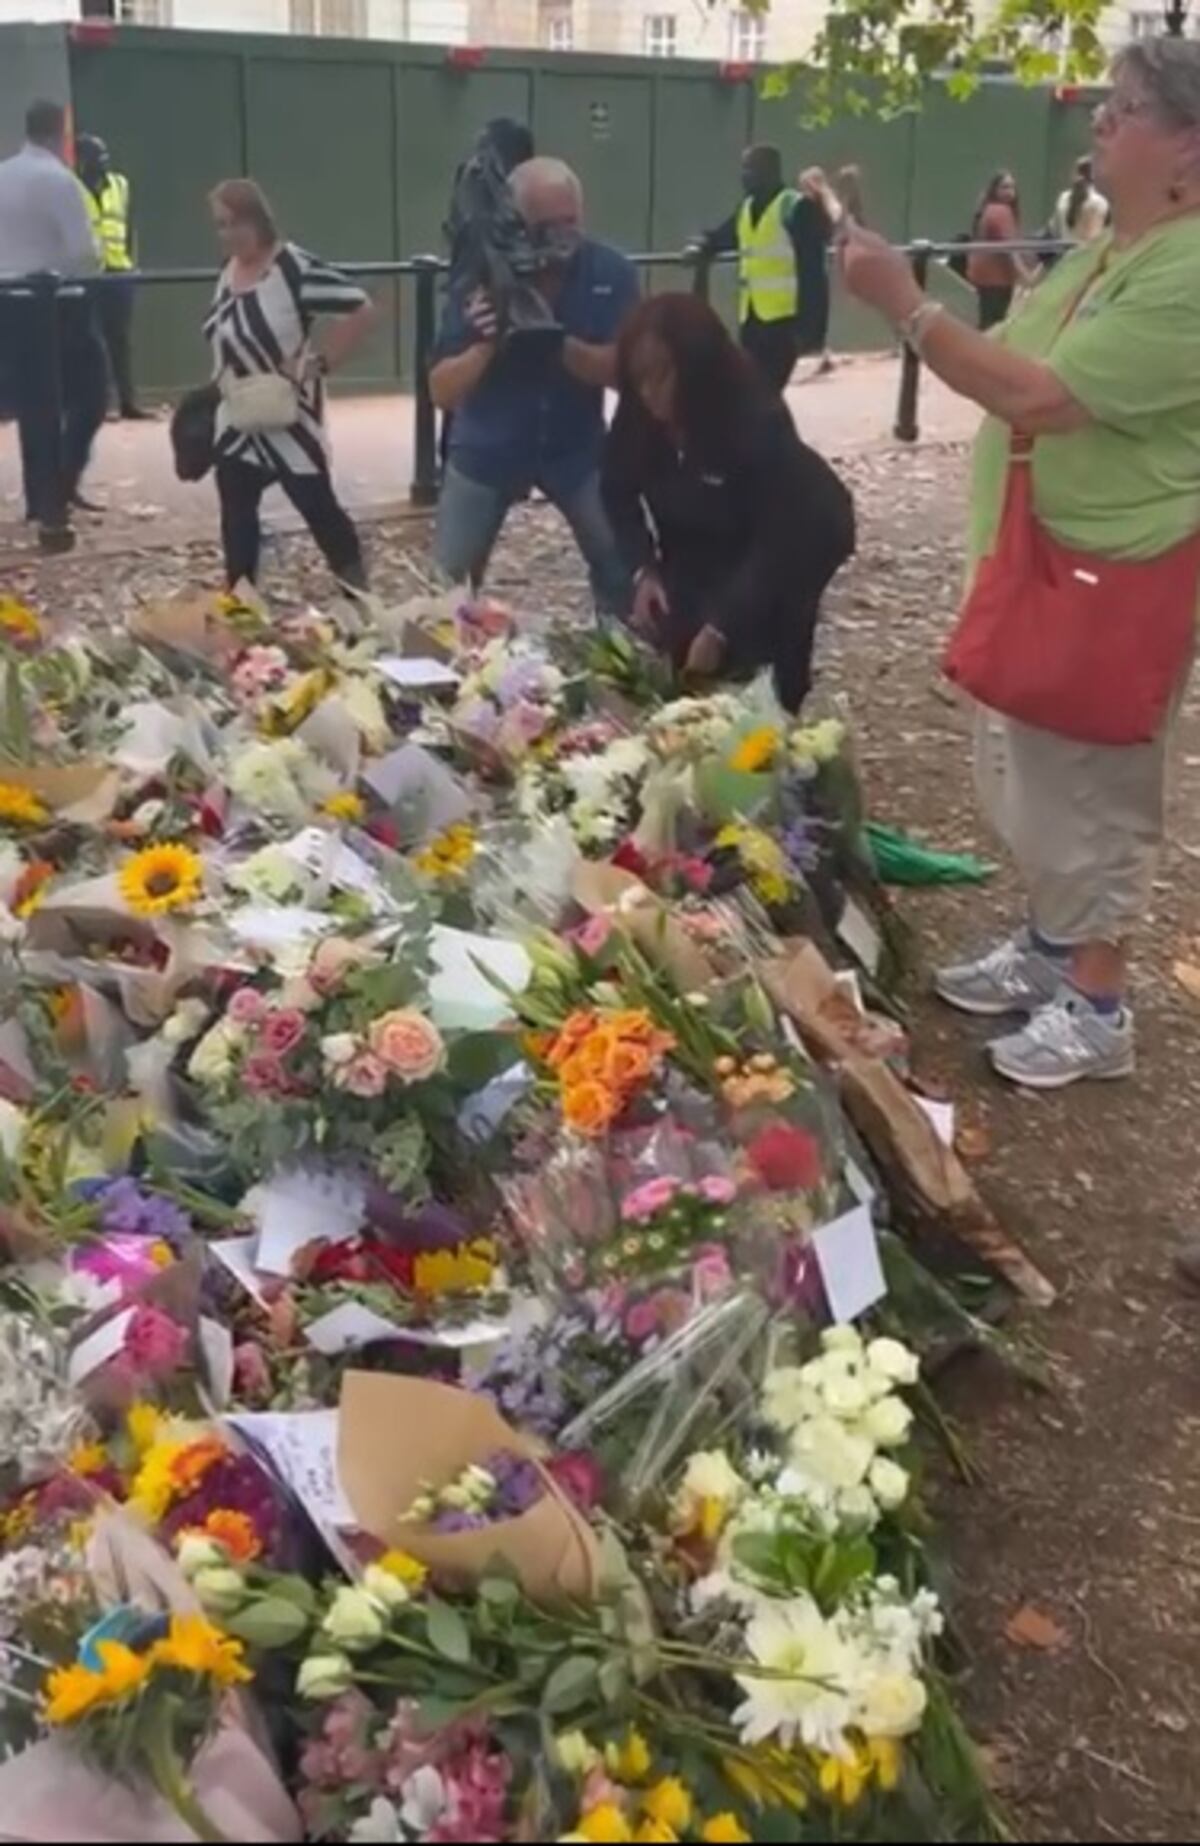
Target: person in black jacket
<point x="733" y="526"/>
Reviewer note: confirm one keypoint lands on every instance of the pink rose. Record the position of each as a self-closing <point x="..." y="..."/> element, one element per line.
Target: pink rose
<point x="333" y="961"/>
<point x="592" y="936"/>
<point x="641" y="1321"/>
<point x="154" y="1343"/>
<point x="648" y="1200"/>
<point x="282" y="1031"/>
<point x="409" y="1045"/>
<point x="366" y="1075"/>
<point x="247" y="1007"/>
<point x="715" y="1190"/>
<point x="264" y="1075"/>
<point x="580" y="1476"/>
<point x="251" y="1374"/>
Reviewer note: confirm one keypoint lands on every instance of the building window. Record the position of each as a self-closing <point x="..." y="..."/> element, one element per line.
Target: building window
<point x="1145" y="22"/>
<point x="557" y="28"/>
<point x="129" y="12"/>
<point x="330" y="18"/>
<point x="658" y="36"/>
<point x="747" y="37"/>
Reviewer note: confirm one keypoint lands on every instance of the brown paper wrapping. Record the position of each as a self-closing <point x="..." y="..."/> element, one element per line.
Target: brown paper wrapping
<point x="934" y="1189"/>
<point x="399" y="1436"/>
<point x="191" y="623"/>
<point x="85" y="793"/>
<point x="606" y="890"/>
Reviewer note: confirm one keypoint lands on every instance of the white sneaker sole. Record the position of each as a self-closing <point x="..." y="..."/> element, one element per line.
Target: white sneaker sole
<point x="1064" y="1081"/>
<point x="984" y="1009"/>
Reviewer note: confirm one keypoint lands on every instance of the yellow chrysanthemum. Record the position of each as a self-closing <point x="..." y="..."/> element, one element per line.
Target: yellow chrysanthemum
<point x="160" y="879"/>
<point x="88" y="1458"/>
<point x="344" y="806"/>
<point x="669" y="1803"/>
<point x="455" y="1272"/>
<point x="143" y="1423"/>
<point x="288" y="709"/>
<point x="725" y="1830"/>
<point x="18" y="623"/>
<point x="20" y="807"/>
<point x="449" y="855"/>
<point x="406" y="1570"/>
<point x="630" y="1761"/>
<point x="757" y="750"/>
<point x="195" y="1646"/>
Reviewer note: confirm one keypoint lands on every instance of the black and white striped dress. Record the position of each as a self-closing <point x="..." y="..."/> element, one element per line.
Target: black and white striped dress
<point x="265" y="329"/>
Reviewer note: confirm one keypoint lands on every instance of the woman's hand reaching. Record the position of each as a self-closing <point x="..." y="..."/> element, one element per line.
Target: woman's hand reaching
<point x="650" y="604"/>
<point x="706" y="654"/>
<point x="877" y="273"/>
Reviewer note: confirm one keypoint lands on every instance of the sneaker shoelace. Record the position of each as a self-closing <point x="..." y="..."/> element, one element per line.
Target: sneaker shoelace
<point x="1057" y="1028"/>
<point x="1006" y="961"/>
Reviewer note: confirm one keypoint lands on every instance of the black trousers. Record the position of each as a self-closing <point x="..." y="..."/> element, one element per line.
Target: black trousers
<point x="994" y="304"/>
<point x="115" y="307"/>
<point x="774" y="347"/>
<point x="54" y="451"/>
<point x="241" y="488"/>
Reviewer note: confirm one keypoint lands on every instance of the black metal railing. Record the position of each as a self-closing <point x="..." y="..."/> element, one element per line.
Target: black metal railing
<point x="426" y="273"/>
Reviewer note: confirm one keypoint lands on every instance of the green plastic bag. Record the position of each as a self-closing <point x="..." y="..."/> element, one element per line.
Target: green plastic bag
<point x="901" y="861"/>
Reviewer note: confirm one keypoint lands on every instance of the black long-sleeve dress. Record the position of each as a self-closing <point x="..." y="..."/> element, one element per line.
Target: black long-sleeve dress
<point x="745" y="541"/>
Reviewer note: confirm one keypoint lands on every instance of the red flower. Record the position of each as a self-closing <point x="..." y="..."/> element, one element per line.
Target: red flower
<point x="581" y="1478"/>
<point x="385" y="830"/>
<point x="631" y="858"/>
<point x="786" y="1159"/>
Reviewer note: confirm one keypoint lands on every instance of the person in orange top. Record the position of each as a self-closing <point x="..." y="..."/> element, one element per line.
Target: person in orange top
<point x="994" y="277"/>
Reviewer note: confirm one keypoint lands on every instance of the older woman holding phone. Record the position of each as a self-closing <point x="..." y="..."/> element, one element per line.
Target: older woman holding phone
<point x="1077" y="634"/>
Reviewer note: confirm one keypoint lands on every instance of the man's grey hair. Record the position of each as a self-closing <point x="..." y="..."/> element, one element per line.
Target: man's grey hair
<point x="1168" y="69"/>
<point x="543" y="174"/>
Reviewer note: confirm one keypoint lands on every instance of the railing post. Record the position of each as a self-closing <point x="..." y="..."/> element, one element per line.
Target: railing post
<point x="701" y="260"/>
<point x="423" y="490"/>
<point x="54" y="515"/>
<point x="907" y="428"/>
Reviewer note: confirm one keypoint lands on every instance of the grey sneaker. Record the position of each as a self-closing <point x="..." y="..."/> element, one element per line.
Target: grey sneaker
<point x="1013" y="978"/>
<point x="1064" y="1043"/>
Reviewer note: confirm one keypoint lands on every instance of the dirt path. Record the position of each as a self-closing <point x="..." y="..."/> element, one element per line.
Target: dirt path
<point x="1089" y="1509"/>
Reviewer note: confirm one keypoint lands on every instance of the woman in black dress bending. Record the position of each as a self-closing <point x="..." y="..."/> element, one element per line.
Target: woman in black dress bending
<point x="733" y="526"/>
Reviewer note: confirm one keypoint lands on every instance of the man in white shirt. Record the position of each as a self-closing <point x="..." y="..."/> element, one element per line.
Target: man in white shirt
<point x="44" y="228"/>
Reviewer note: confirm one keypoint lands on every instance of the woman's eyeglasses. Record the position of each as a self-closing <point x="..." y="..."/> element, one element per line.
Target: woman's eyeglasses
<point x="1118" y="109"/>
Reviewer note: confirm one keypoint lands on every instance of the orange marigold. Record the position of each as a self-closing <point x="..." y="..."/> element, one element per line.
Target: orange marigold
<point x="190" y="1467"/>
<point x="236" y="1532"/>
<point x="590" y="1107"/>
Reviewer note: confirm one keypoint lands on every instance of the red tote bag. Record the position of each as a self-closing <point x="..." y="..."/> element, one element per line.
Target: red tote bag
<point x="1089" y="648"/>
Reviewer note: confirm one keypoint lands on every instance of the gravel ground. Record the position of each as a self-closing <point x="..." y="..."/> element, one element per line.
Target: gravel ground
<point x="1087" y="1515"/>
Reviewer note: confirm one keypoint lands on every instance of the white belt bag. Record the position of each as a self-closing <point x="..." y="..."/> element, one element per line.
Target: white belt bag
<point x="263" y="401"/>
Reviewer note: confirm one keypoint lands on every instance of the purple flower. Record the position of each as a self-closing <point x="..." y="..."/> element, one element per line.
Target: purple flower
<point x="128" y="1211"/>
<point x="449" y="1522"/>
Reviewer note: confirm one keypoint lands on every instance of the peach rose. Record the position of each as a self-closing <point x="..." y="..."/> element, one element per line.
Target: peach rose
<point x="409" y="1044"/>
<point x="590" y="1107"/>
<point x="366" y="1076"/>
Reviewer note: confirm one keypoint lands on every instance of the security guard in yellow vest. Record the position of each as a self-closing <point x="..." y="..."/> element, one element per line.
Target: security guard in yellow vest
<point x="776" y="274"/>
<point x="108" y="202"/>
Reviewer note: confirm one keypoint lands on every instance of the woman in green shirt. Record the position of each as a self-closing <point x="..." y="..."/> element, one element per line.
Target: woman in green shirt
<point x="1102" y="368"/>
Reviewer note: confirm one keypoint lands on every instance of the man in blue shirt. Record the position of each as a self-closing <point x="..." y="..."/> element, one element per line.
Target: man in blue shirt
<point x="528" y="412"/>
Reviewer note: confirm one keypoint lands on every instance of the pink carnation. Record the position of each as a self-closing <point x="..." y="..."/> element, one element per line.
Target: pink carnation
<point x="154" y="1343"/>
<point x="648" y="1200"/>
<point x="712" y="1278"/>
<point x="283" y="1030"/>
<point x="716" y="1190"/>
<point x="641" y="1321"/>
<point x="593" y="935"/>
<point x="365" y="1075"/>
<point x="247" y="1007"/>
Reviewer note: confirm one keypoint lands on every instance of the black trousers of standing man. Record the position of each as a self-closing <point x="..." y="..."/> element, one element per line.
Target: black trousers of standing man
<point x="35" y="340"/>
<point x="115" y="306"/>
<point x="774" y="347"/>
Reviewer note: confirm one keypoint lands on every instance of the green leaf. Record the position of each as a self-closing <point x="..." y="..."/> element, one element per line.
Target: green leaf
<point x="273" y="1622"/>
<point x="500" y="1592"/>
<point x="297" y="1591"/>
<point x="479" y="1056"/>
<point x="570" y="1685"/>
<point x="614" y="1680"/>
<point x="16" y="717"/>
<point x="448" y="1634"/>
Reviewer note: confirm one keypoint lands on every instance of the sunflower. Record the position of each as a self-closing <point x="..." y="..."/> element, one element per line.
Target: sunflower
<point x="161" y="878"/>
<point x="195" y="1646"/>
<point x="20" y="807"/>
<point x="18" y="624"/>
<point x="757" y="750"/>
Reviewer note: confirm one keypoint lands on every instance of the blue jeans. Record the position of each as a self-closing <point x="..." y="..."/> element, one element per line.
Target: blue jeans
<point x="471" y="513"/>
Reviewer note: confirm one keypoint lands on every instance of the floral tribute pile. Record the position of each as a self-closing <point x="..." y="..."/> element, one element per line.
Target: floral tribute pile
<point x="436" y="1402"/>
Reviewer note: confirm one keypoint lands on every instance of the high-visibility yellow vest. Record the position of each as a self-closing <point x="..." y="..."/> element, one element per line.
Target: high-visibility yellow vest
<point x="767" y="262"/>
<point x="110" y="221"/>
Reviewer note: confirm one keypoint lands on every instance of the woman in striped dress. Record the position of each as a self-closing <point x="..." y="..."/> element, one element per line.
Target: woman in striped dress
<point x="259" y="326"/>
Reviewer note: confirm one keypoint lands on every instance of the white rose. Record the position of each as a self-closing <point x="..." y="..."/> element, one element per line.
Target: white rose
<point x="197" y="1553"/>
<point x="842" y="1339"/>
<point x="576" y="1756"/>
<point x="383" y="1588"/>
<point x="355" y="1621"/>
<point x="894" y="1362"/>
<point x="846" y="1396"/>
<point x="221" y="1591"/>
<point x="325" y="1676"/>
<point x="833" y="1454"/>
<point x="339" y="1048"/>
<point x="187" y="1019"/>
<point x="892" y="1705"/>
<point x="889" y="1483"/>
<point x="888" y="1422"/>
<point x="790" y="1396"/>
<point x="857" y="1506"/>
<point x="212" y="1060"/>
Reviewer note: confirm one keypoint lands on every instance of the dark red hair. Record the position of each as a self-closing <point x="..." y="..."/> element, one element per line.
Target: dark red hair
<point x="718" y="388"/>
